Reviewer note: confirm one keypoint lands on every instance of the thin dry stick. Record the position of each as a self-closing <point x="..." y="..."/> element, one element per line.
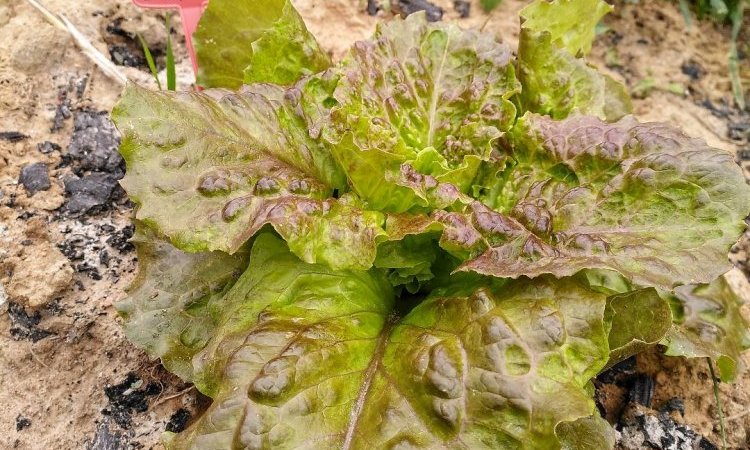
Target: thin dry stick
<point x="490" y="16"/>
<point x="36" y="358"/>
<point x="159" y="401"/>
<point x="82" y="41"/>
<point x="738" y="416"/>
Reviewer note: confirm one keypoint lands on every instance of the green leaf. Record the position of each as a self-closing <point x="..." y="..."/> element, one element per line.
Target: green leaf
<point x="555" y="81"/>
<point x="570" y="24"/>
<point x="640" y="199"/>
<point x="617" y="103"/>
<point x="708" y="323"/>
<point x="254" y="41"/>
<point x="337" y="233"/>
<point x="421" y="97"/>
<point x="209" y="173"/>
<point x="166" y="311"/>
<point x="307" y="357"/>
<point x="637" y="320"/>
<point x="589" y="433"/>
<point x="285" y="52"/>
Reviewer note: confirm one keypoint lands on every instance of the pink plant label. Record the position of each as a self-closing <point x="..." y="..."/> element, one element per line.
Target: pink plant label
<point x="190" y="13"/>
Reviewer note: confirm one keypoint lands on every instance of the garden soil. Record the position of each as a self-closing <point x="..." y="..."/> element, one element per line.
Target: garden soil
<point x="68" y="377"/>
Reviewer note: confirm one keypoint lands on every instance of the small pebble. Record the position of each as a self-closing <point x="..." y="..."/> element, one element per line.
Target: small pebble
<point x="35" y="178"/>
<point x="95" y="144"/>
<point x="433" y="13"/>
<point x="90" y="192"/>
<point x="693" y="70"/>
<point x="178" y="421"/>
<point x="462" y="7"/>
<point x="373" y="6"/>
<point x="47" y="147"/>
<point x="22" y="423"/>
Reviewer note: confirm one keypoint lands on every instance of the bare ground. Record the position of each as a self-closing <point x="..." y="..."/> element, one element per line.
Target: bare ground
<point x="68" y="377"/>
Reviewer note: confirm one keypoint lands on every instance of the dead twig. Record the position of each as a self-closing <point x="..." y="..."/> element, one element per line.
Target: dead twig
<point x="61" y="22"/>
<point x="35" y="357"/>
<point x="161" y="400"/>
<point x="738" y="416"/>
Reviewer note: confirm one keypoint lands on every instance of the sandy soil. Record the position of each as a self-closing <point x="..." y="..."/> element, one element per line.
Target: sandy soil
<point x="68" y="377"/>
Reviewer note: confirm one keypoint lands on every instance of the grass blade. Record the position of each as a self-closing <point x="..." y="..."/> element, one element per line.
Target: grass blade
<point x="150" y="60"/>
<point x="735" y="16"/>
<point x="489" y="5"/>
<point x="685" y="10"/>
<point x="171" y="72"/>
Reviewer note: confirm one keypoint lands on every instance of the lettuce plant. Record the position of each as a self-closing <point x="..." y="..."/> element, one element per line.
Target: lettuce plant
<point x="434" y="243"/>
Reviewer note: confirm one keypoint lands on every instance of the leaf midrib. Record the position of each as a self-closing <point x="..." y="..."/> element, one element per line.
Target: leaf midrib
<point x="435" y="94"/>
<point x="369" y="375"/>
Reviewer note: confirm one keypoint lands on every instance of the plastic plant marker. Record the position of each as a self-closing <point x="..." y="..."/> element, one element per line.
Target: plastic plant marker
<point x="190" y="13"/>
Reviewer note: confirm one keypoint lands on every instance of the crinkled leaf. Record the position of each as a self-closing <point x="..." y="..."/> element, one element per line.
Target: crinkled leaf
<point x="640" y="199"/>
<point x="708" y="323"/>
<point x="166" y="309"/>
<point x="637" y="320"/>
<point x="571" y="24"/>
<point x="432" y="96"/>
<point x="589" y="433"/>
<point x="307" y="357"/>
<point x="337" y="233"/>
<point x="302" y="111"/>
<point x="254" y="41"/>
<point x="203" y="170"/>
<point x="556" y="82"/>
<point x="210" y="169"/>
<point x="285" y="52"/>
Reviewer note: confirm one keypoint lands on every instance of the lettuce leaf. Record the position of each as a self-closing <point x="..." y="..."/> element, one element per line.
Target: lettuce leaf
<point x="429" y="96"/>
<point x="644" y="200"/>
<point x="708" y="323"/>
<point x="166" y="311"/>
<point x="247" y="41"/>
<point x="305" y="356"/>
<point x="637" y="320"/>
<point x="570" y="24"/>
<point x="208" y="170"/>
<point x="556" y="81"/>
<point x="589" y="433"/>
